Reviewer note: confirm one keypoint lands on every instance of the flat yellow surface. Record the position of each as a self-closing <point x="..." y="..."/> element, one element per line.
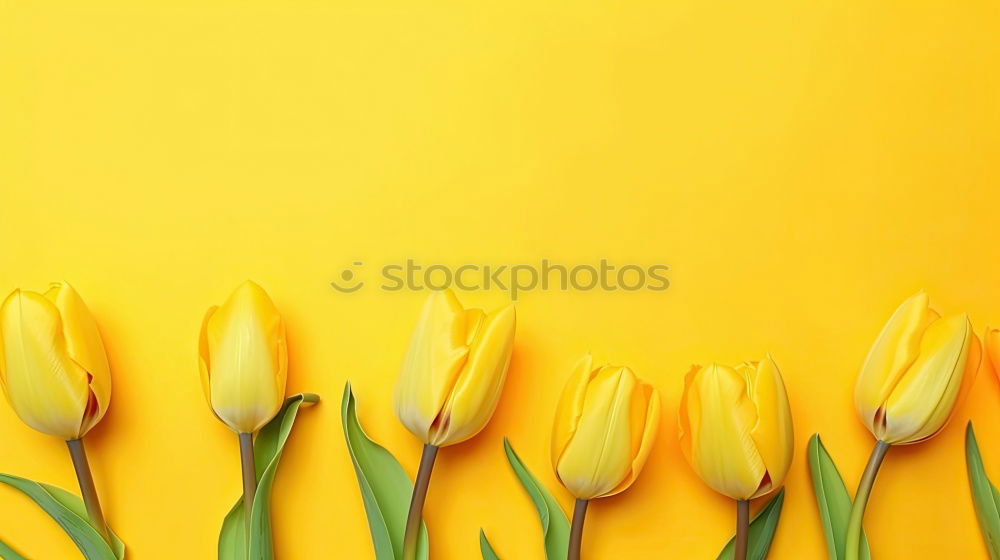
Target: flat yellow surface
<point x="801" y="166"/>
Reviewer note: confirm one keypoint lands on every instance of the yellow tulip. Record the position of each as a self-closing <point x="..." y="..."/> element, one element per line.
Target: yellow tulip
<point x="916" y="372"/>
<point x="736" y="427"/>
<point x="53" y="367"/>
<point x="604" y="428"/>
<point x="454" y="370"/>
<point x="243" y="359"/>
<point x="993" y="348"/>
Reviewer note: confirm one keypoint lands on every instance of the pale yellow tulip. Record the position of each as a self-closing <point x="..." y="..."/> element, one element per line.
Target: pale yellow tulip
<point x="916" y="372"/>
<point x="53" y="367"/>
<point x="604" y="429"/>
<point x="243" y="359"/>
<point x="454" y="370"/>
<point x="736" y="427"/>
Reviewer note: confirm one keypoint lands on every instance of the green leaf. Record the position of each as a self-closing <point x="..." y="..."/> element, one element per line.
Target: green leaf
<point x="485" y="548"/>
<point x="834" y="501"/>
<point x="70" y="513"/>
<point x="386" y="489"/>
<point x="555" y="525"/>
<point x="8" y="553"/>
<point x="762" y="529"/>
<point x="267" y="450"/>
<point x="984" y="494"/>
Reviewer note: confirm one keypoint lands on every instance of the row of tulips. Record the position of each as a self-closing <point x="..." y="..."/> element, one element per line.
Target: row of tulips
<point x="735" y="422"/>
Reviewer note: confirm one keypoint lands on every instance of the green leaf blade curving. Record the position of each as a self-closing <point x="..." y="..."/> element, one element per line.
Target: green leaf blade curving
<point x="833" y="500"/>
<point x="985" y="496"/>
<point x="70" y="513"/>
<point x="555" y="525"/>
<point x="485" y="548"/>
<point x="386" y="489"/>
<point x="268" y="446"/>
<point x="762" y="529"/>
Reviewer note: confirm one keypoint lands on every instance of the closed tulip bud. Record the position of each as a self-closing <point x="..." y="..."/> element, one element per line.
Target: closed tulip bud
<point x="243" y="359"/>
<point x="604" y="428"/>
<point x="736" y="427"/>
<point x="993" y="348"/>
<point x="454" y="370"/>
<point x="53" y="367"/>
<point x="915" y="372"/>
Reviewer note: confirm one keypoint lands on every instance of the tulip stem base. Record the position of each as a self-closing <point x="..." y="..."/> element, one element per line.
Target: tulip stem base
<point x="853" y="543"/>
<point x="576" y="530"/>
<point x="742" y="529"/>
<point x="87" y="488"/>
<point x="417" y="501"/>
<point x="249" y="478"/>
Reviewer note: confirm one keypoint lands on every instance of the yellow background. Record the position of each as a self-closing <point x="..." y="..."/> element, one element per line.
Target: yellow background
<point x="801" y="166"/>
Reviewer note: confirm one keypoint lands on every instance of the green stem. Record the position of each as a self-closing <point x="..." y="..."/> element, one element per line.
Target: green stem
<point x="249" y="478"/>
<point x="417" y="501"/>
<point x="576" y="530"/>
<point x="853" y="544"/>
<point x="87" y="488"/>
<point x="742" y="529"/>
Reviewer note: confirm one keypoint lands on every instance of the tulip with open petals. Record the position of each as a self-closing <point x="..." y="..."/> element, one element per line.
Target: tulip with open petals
<point x="54" y="371"/>
<point x="736" y="427"/>
<point x="913" y="378"/>
<point x="450" y="384"/>
<point x="736" y="432"/>
<point x="604" y="429"/>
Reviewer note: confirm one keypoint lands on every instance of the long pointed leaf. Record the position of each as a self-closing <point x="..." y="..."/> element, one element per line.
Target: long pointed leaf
<point x="8" y="553"/>
<point x="70" y="513"/>
<point x="833" y="500"/>
<point x="762" y="529"/>
<point x="555" y="525"/>
<point x="267" y="448"/>
<point x="485" y="548"/>
<point x="386" y="489"/>
<point x="984" y="494"/>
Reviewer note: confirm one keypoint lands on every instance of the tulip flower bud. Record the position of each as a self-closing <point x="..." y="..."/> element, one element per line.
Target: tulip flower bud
<point x="993" y="348"/>
<point x="736" y="427"/>
<point x="454" y="370"/>
<point x="243" y="359"/>
<point x="53" y="366"/>
<point x="915" y="372"/>
<point x="604" y="429"/>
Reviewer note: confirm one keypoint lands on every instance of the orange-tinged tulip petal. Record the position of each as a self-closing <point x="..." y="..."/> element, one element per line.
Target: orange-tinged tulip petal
<point x="243" y="359"/>
<point x="454" y="370"/>
<point x="53" y="367"/>
<point x="773" y="434"/>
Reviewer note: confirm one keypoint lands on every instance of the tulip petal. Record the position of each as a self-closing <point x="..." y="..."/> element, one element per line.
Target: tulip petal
<point x="570" y="406"/>
<point x="894" y="351"/>
<point x="923" y="401"/>
<point x="85" y="346"/>
<point x="245" y="341"/>
<point x="721" y="416"/>
<point x="435" y="358"/>
<point x="772" y="433"/>
<point x="599" y="455"/>
<point x="644" y="428"/>
<point x="44" y="385"/>
<point x="477" y="390"/>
